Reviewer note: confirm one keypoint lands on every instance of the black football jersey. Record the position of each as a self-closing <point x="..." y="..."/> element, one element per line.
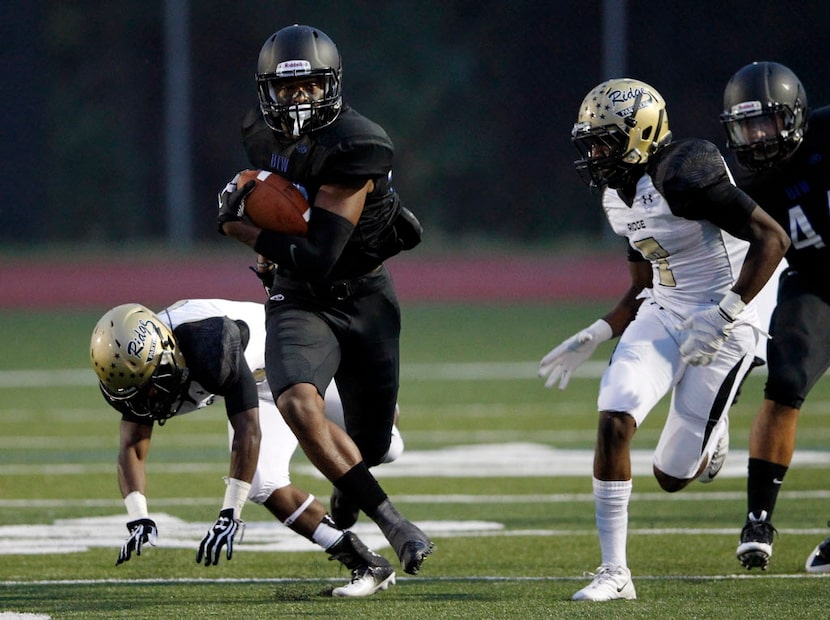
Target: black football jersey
<point x="351" y="150"/>
<point x="797" y="194"/>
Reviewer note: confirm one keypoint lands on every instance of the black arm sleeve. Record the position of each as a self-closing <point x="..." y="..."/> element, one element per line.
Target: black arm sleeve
<point x="215" y="352"/>
<point x="697" y="186"/>
<point x="730" y="207"/>
<point x="242" y="394"/>
<point x="314" y="255"/>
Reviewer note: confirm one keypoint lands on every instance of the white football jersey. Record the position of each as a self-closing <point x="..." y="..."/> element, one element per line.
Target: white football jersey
<point x="694" y="262"/>
<point x="191" y="310"/>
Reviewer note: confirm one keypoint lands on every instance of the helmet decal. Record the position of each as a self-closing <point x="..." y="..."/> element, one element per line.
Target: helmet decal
<point x="144" y="331"/>
<point x="293" y="67"/>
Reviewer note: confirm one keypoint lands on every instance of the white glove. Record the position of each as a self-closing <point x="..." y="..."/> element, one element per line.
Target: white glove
<point x="703" y="333"/>
<point x="565" y="358"/>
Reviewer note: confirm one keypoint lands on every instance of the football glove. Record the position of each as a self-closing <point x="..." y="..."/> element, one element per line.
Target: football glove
<point x="232" y="202"/>
<point x="219" y="535"/>
<point x="142" y="531"/>
<point x="702" y="335"/>
<point x="265" y="271"/>
<point x="568" y="356"/>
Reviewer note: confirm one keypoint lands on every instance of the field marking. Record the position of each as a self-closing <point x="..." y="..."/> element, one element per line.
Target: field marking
<point x="493" y="460"/>
<point x="63" y="536"/>
<point x="402" y="578"/>
<point x="452" y="371"/>
<point x="552" y="498"/>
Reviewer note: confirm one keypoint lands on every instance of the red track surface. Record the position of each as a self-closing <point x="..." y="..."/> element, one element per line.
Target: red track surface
<point x="103" y="283"/>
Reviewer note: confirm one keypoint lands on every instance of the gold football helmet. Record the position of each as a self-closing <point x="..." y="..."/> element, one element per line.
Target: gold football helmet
<point x="621" y="123"/>
<point x="140" y="368"/>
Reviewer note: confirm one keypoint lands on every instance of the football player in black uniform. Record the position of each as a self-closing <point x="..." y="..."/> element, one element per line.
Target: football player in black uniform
<point x="193" y="354"/>
<point x="785" y="166"/>
<point x="332" y="310"/>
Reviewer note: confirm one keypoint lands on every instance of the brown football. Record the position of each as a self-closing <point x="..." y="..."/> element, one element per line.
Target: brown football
<point x="275" y="203"/>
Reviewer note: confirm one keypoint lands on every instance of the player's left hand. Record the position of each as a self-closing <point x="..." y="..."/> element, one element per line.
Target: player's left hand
<point x="219" y="535"/>
<point x="702" y="335"/>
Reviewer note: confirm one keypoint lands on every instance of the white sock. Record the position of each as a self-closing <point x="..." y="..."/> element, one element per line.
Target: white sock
<point x="611" y="504"/>
<point x="325" y="535"/>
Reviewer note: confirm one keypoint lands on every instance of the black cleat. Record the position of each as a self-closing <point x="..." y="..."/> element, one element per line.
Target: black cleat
<point x="755" y="549"/>
<point x="411" y="545"/>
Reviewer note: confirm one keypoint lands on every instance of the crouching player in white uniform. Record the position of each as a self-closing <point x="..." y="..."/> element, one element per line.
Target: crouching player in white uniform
<point x="152" y="367"/>
<point x="700" y="250"/>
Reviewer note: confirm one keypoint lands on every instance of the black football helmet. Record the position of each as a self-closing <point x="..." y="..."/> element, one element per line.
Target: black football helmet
<point x="764" y="114"/>
<point x="299" y="80"/>
<point x="621" y="123"/>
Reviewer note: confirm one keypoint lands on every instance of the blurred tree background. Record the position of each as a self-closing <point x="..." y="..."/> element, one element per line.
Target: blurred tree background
<point x="478" y="96"/>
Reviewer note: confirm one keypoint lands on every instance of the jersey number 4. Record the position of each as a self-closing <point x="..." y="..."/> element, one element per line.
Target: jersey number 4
<point x="802" y="232"/>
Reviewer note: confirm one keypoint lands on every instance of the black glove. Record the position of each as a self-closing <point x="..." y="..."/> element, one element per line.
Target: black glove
<point x="141" y="531"/>
<point x="265" y="272"/>
<point x="232" y="202"/>
<point x="221" y="533"/>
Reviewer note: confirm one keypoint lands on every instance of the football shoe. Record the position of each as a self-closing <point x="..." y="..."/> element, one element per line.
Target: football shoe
<point x="755" y="548"/>
<point x="609" y="583"/>
<point x="370" y="571"/>
<point x="366" y="581"/>
<point x="819" y="560"/>
<point x="718" y="458"/>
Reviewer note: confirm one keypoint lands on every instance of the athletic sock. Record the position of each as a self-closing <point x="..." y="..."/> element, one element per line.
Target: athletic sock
<point x="361" y="486"/>
<point x="611" y="499"/>
<point x="326" y="535"/>
<point x="762" y="485"/>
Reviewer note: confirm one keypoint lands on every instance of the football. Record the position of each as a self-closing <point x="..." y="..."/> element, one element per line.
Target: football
<point x="275" y="203"/>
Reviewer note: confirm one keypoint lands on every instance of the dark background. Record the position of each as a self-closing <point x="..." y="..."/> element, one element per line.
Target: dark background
<point x="478" y="96"/>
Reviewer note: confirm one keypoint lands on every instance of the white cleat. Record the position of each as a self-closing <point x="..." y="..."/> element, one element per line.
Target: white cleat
<point x="609" y="583"/>
<point x="366" y="581"/>
<point x="718" y="458"/>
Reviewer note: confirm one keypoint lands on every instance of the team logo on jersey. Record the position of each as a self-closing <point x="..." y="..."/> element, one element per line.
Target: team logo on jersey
<point x="647" y="200"/>
<point x="279" y="162"/>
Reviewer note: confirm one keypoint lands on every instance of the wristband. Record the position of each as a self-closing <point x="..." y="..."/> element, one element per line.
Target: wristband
<point x="731" y="305"/>
<point x="236" y="494"/>
<point x="601" y="330"/>
<point x="136" y="505"/>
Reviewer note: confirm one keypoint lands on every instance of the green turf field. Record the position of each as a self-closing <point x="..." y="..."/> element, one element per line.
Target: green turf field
<point x="498" y="472"/>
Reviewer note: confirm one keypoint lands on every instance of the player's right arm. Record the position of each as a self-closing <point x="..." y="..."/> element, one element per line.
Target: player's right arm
<point x="134" y="445"/>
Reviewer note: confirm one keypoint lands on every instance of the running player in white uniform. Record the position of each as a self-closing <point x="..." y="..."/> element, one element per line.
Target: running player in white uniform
<point x="699" y="252"/>
<point x="189" y="356"/>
